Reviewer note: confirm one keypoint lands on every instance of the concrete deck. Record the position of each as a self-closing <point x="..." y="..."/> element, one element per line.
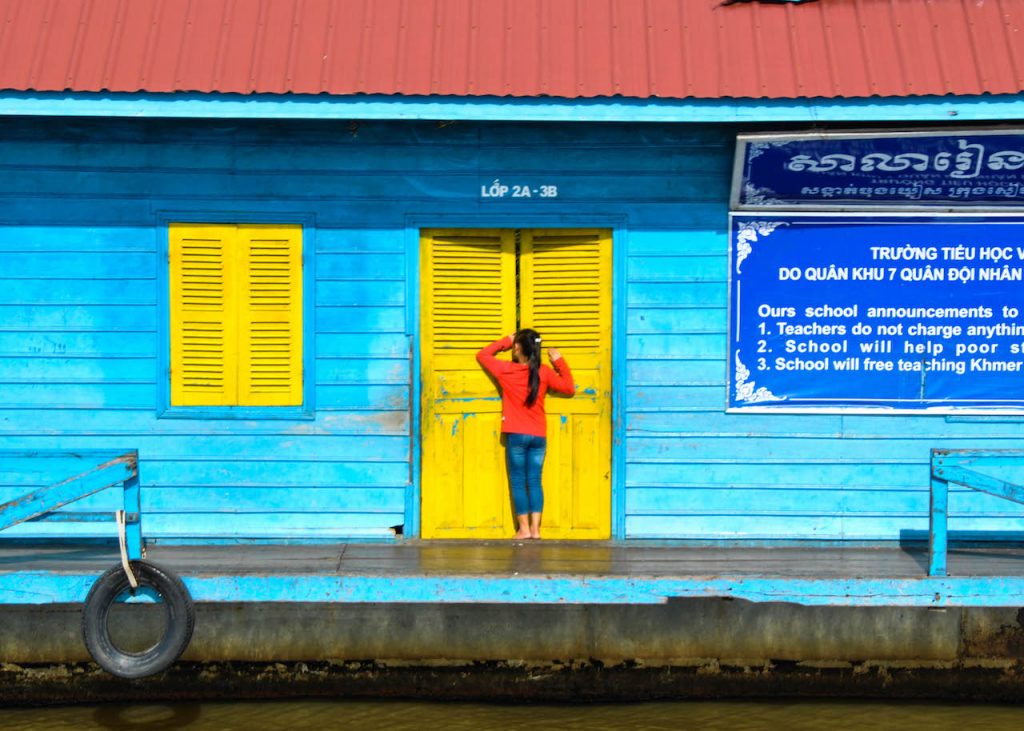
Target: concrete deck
<point x="543" y="572"/>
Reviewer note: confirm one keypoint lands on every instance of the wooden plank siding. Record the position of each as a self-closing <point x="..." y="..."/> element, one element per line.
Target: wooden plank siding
<point x="82" y="229"/>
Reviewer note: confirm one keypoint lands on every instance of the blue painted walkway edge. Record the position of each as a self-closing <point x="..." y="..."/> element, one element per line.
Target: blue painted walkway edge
<point x="996" y="591"/>
<point x="536" y="573"/>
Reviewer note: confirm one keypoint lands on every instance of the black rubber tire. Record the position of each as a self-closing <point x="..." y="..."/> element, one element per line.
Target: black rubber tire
<point x="180" y="620"/>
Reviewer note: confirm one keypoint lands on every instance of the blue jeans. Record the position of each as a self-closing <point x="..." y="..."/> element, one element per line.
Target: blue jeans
<point x="524" y="457"/>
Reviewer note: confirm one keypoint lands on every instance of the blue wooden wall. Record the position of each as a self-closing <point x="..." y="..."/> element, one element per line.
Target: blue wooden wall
<point x="82" y="246"/>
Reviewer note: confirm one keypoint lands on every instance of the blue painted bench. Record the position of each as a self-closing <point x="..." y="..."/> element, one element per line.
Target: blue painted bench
<point x="971" y="468"/>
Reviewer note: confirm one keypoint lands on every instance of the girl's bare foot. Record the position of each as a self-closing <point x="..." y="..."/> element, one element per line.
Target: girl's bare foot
<point x="534" y="525"/>
<point x="524" y="527"/>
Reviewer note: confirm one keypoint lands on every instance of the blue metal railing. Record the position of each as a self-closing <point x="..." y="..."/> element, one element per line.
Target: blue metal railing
<point x="99" y="471"/>
<point x="964" y="467"/>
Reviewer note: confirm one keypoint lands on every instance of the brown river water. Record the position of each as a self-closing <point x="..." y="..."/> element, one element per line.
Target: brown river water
<point x="789" y="715"/>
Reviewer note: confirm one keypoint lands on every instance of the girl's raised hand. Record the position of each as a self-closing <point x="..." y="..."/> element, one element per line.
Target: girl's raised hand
<point x="554" y="354"/>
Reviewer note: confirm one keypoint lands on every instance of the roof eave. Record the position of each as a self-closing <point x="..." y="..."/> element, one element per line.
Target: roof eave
<point x="985" y="107"/>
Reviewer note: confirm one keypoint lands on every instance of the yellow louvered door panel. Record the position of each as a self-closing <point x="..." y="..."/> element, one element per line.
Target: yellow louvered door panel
<point x="270" y="315"/>
<point x="565" y="294"/>
<point x="468" y="296"/>
<point x="203" y="325"/>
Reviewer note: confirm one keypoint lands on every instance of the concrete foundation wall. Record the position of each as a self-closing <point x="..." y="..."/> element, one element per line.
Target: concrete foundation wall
<point x="692" y="648"/>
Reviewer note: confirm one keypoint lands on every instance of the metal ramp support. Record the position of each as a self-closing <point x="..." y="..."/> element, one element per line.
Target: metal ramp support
<point x="102" y="470"/>
<point x="957" y="466"/>
<point x="133" y="578"/>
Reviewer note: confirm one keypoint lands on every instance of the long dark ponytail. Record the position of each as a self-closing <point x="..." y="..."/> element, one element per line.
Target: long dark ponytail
<point x="529" y="347"/>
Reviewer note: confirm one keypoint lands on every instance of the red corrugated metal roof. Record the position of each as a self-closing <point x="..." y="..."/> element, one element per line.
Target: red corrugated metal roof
<point x="522" y="48"/>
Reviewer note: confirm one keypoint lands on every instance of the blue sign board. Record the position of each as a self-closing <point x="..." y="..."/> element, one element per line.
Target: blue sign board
<point x="909" y="313"/>
<point x="884" y="169"/>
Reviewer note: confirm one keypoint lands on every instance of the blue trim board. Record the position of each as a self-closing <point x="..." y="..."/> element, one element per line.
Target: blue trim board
<point x="544" y="109"/>
<point x="412" y="329"/>
<point x="42" y="587"/>
<point x="620" y="253"/>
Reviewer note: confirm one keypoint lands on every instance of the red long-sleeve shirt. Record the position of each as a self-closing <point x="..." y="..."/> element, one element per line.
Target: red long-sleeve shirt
<point x="514" y="379"/>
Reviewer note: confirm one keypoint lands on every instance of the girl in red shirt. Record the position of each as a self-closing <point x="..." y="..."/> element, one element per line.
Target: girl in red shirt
<point x="524" y="383"/>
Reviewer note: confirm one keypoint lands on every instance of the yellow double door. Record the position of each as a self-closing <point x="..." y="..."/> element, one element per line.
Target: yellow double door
<point x="478" y="286"/>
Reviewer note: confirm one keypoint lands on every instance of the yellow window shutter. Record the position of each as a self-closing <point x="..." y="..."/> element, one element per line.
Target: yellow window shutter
<point x="203" y="328"/>
<point x="470" y="274"/>
<point x="566" y="276"/>
<point x="270" y="315"/>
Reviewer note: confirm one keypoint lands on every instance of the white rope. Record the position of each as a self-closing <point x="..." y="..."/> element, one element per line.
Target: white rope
<point x="122" y="539"/>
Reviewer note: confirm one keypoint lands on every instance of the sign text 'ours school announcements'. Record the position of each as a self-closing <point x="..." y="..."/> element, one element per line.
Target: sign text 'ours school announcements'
<point x="841" y="312"/>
